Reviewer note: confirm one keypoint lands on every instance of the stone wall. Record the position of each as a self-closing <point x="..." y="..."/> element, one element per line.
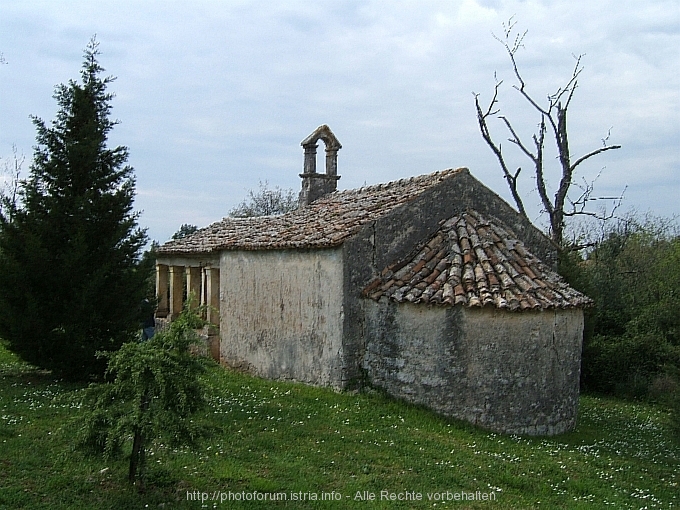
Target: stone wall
<point x="506" y="371"/>
<point x="392" y="237"/>
<point x="281" y="314"/>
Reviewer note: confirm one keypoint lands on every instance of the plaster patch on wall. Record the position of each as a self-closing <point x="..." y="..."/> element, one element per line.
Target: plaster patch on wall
<point x="282" y="314"/>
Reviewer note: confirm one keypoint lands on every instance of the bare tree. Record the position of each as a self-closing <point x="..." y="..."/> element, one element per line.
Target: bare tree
<point x="553" y="124"/>
<point x="10" y="173"/>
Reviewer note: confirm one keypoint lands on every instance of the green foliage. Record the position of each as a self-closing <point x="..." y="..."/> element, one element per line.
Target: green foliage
<point x="632" y="336"/>
<point x="666" y="390"/>
<point x="154" y="391"/>
<point x="674" y="401"/>
<point x="185" y="230"/>
<point x="70" y="272"/>
<point x="626" y="365"/>
<point x="266" y="202"/>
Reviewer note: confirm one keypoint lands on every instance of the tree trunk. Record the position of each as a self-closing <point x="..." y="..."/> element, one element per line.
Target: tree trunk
<point x="137" y="457"/>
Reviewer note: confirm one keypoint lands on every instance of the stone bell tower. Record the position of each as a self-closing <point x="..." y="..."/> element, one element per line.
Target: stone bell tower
<point x="315" y="185"/>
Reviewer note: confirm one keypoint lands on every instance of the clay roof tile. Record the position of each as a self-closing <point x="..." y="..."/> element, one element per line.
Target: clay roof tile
<point x="499" y="271"/>
<point x="326" y="222"/>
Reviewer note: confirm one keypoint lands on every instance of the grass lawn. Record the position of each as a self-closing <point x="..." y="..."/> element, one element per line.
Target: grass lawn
<point x="279" y="439"/>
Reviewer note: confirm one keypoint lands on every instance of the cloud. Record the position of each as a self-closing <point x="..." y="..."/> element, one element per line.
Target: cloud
<point x="215" y="96"/>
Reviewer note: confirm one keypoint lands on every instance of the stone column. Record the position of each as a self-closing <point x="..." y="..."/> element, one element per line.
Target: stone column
<point x="310" y="159"/>
<point x="202" y="301"/>
<point x="176" y="290"/>
<point x="162" y="290"/>
<point x="194" y="284"/>
<point x="213" y="295"/>
<point x="331" y="161"/>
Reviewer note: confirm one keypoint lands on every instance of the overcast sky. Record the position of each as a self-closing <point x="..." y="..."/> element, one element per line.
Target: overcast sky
<point x="214" y="96"/>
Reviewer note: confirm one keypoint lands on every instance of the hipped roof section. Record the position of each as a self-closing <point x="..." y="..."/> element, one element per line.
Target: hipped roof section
<point x="474" y="261"/>
<point x="326" y="222"/>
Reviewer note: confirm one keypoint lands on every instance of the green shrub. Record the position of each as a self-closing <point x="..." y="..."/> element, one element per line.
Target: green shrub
<point x="626" y="365"/>
<point x="632" y="332"/>
<point x="666" y="390"/>
<point x="153" y="392"/>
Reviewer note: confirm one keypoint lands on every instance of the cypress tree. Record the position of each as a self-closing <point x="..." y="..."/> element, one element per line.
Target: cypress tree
<point x="71" y="277"/>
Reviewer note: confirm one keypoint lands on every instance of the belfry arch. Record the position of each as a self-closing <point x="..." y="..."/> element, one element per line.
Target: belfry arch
<point x="314" y="184"/>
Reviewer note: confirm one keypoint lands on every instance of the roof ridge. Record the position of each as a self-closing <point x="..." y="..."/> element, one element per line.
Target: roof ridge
<point x="326" y="222"/>
<point x="382" y="185"/>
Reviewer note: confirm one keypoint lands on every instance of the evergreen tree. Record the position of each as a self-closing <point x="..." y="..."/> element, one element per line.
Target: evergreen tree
<point x="71" y="278"/>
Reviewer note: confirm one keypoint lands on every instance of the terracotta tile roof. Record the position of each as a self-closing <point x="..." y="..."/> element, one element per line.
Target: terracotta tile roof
<point x="327" y="222"/>
<point x="473" y="261"/>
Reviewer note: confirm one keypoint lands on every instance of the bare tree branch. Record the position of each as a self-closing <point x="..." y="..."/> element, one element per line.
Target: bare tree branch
<point x="555" y="115"/>
<point x="538" y="164"/>
<point x="484" y="129"/>
<point x="570" y="87"/>
<point x="515" y="139"/>
<point x="594" y="153"/>
<point x="578" y="207"/>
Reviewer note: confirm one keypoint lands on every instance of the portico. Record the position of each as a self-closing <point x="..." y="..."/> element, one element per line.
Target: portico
<point x="178" y="279"/>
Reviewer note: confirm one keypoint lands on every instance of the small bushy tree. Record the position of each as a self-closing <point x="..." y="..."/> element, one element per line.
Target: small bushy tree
<point x="185" y="230"/>
<point x="266" y="202"/>
<point x="71" y="278"/>
<point x="153" y="392"/>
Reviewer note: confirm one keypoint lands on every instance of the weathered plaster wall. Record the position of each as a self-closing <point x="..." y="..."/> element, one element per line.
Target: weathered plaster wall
<point x="393" y="236"/>
<point x="508" y="372"/>
<point x="282" y="315"/>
